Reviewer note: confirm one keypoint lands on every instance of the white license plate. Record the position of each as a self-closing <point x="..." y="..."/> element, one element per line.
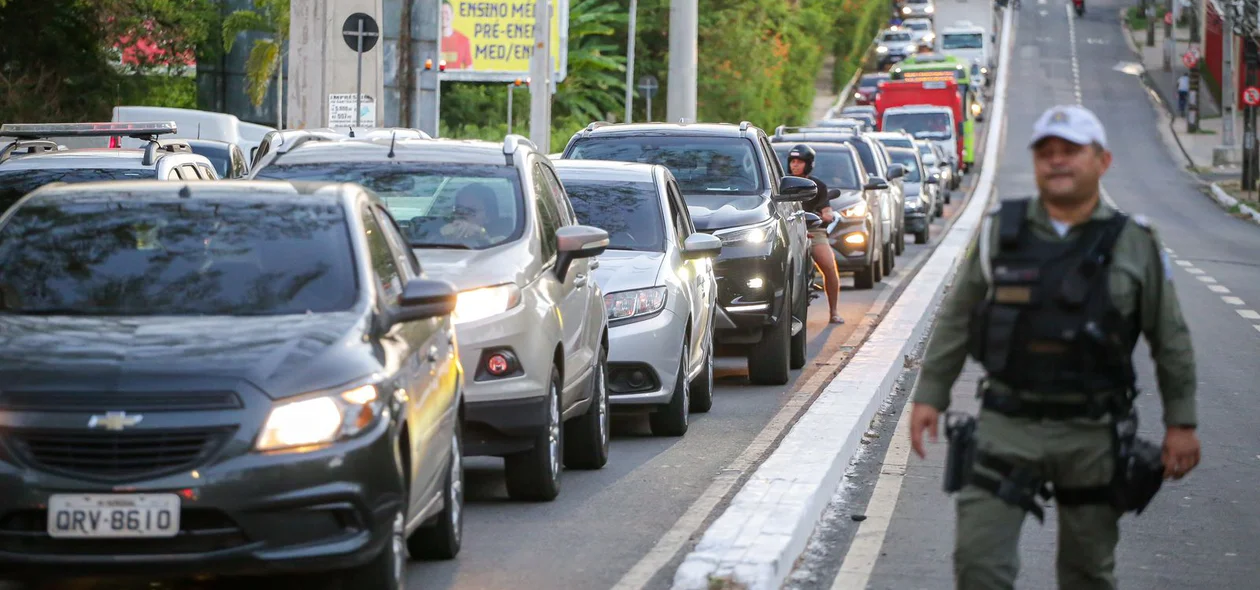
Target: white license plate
<point x="113" y="516"/>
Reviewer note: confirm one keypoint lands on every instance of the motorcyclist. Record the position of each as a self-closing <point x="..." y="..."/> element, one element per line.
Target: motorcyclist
<point x="801" y="163"/>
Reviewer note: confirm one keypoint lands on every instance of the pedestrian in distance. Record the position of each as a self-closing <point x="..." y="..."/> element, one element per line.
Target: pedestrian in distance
<point x="1183" y="93"/>
<point x="1050" y="298"/>
<point x="801" y="163"/>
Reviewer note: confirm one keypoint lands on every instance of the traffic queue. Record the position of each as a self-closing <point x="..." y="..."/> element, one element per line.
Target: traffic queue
<point x="276" y="365"/>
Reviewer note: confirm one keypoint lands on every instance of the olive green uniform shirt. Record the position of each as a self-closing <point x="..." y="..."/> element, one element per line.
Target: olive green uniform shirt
<point x="1140" y="282"/>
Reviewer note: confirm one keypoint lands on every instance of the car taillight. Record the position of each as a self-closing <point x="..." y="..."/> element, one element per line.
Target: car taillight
<point x="115" y="142"/>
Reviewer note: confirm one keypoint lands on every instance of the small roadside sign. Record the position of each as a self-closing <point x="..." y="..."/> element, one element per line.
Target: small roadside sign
<point x="1251" y="96"/>
<point x="348" y="110"/>
<point x="1190" y="58"/>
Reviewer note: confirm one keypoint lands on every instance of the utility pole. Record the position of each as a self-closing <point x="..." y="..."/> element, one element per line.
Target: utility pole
<point x="1150" y="22"/>
<point x="540" y="78"/>
<point x="683" y="41"/>
<point x="634" y="9"/>
<point x="428" y="93"/>
<point x="1170" y="39"/>
<point x="1229" y="95"/>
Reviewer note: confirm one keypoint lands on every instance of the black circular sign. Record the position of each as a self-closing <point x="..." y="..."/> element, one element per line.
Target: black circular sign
<point x="350" y="31"/>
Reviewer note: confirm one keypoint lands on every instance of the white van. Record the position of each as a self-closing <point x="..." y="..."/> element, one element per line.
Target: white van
<point x="970" y="42"/>
<point x="194" y="124"/>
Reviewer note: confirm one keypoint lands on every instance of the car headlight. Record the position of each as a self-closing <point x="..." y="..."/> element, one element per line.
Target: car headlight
<point x="905" y="10"/>
<point x="913" y="203"/>
<point x="855" y="210"/>
<point x="975" y="108"/>
<point x="321" y="420"/>
<point x="930" y="9"/>
<point x="881" y="49"/>
<point x="479" y="304"/>
<point x="756" y="234"/>
<point x="628" y="304"/>
<point x="984" y="70"/>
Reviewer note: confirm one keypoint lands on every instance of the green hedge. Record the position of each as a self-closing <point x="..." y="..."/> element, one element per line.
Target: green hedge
<point x="865" y="25"/>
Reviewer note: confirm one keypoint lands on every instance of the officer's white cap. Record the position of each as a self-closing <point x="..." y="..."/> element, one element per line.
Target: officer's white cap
<point x="1072" y="123"/>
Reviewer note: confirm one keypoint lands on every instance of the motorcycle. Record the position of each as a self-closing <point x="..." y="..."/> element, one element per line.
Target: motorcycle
<point x="1080" y="7"/>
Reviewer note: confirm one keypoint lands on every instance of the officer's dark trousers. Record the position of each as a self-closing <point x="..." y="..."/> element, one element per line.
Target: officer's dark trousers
<point x="1073" y="453"/>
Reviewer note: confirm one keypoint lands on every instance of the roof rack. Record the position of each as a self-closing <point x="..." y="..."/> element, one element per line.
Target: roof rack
<point x="744" y="125"/>
<point x="174" y="146"/>
<point x="514" y="141"/>
<point x="32" y="146"/>
<point x="148" y="130"/>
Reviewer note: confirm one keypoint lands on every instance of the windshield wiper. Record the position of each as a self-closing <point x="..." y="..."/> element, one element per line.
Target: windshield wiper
<point x="437" y="245"/>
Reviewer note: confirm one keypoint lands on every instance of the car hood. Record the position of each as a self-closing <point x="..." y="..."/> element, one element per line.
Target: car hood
<point x="626" y="270"/>
<point x="912" y="189"/>
<point x="710" y="212"/>
<point x="281" y="355"/>
<point x="473" y="269"/>
<point x="846" y="199"/>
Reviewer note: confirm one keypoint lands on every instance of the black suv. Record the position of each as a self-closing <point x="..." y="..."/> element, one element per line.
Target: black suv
<point x="735" y="189"/>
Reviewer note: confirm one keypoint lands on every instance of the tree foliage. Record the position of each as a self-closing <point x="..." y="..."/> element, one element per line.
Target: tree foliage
<point x="268" y="16"/>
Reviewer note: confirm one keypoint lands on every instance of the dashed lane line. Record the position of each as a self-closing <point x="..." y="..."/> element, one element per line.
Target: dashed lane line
<point x="1232" y="300"/>
<point x="1219" y="288"/>
<point x="1206" y="279"/>
<point x="1248" y="314"/>
<point x="1198" y="273"/>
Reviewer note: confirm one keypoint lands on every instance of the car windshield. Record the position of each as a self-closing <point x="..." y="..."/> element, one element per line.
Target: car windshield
<point x="896" y="37"/>
<point x="907" y="160"/>
<point x="220" y="159"/>
<point x="962" y="41"/>
<point x="832" y="166"/>
<point x="701" y="165"/>
<point x="920" y="125"/>
<point x="629" y="211"/>
<point x="14" y="184"/>
<point x="870" y="81"/>
<point x="866" y="155"/>
<point x="460" y="206"/>
<point x="203" y="256"/>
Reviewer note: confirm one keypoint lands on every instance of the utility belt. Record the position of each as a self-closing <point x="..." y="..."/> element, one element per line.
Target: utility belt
<point x="1137" y="476"/>
<point x="1013" y="405"/>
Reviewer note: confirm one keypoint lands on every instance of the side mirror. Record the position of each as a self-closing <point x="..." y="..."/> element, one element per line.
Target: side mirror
<point x="896" y="171"/>
<point x="875" y="183"/>
<point x="936" y="177"/>
<point x="701" y="246"/>
<point x="833" y="193"/>
<point x="578" y="241"/>
<point x="423" y="299"/>
<point x="812" y="221"/>
<point x="795" y="188"/>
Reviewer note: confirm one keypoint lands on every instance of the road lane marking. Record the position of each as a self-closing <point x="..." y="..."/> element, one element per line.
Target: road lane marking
<point x="1185" y="263"/>
<point x="1206" y="279"/>
<point x="1248" y="313"/>
<point x="1194" y="271"/>
<point x="1232" y="300"/>
<point x="1169" y="251"/>
<point x="1219" y="288"/>
<point x="1257" y="327"/>
<point x="864" y="551"/>
<point x="1076" y="67"/>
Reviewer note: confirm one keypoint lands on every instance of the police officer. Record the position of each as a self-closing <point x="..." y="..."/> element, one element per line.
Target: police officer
<point x="1056" y="347"/>
<point x="801" y="163"/>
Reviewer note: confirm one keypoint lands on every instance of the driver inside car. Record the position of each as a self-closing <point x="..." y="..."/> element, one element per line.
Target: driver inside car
<point x="472" y="214"/>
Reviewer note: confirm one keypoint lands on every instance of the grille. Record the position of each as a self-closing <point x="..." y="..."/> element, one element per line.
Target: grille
<point x="117" y="455"/>
<point x="100" y="401"/>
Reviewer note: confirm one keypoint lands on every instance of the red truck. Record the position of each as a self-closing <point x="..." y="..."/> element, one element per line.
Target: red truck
<point x="940" y="93"/>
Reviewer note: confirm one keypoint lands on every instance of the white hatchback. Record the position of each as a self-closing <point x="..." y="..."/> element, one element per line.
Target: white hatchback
<point x="659" y="288"/>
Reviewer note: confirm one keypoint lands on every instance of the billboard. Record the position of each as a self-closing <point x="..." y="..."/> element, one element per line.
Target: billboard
<point x="489" y="41"/>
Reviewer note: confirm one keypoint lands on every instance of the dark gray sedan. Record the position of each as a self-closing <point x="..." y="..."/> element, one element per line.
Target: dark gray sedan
<point x="221" y="379"/>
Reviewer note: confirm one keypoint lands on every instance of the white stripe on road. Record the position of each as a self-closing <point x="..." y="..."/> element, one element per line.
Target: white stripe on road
<point x="1194" y="271"/>
<point x="864" y="551"/>
<point x="1257" y="327"/>
<point x="1206" y="279"/>
<point x="1219" y="288"/>
<point x="1185" y="263"/>
<point x="1232" y="300"/>
<point x="1248" y="313"/>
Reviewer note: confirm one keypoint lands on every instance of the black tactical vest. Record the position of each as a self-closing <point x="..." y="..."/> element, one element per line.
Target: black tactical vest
<point x="1048" y="324"/>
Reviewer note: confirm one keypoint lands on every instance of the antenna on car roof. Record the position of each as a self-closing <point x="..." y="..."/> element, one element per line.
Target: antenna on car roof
<point x="198" y="130"/>
<point x="393" y="138"/>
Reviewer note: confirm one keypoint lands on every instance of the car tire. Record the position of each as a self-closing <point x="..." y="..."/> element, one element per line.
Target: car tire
<point x="388" y="570"/>
<point x="800" y="339"/>
<point x="534" y="475"/>
<point x="901" y="241"/>
<point x="673" y="418"/>
<point x="865" y="278"/>
<point x="443" y="539"/>
<point x="769" y="359"/>
<point x="702" y="387"/>
<point x="940" y="210"/>
<point x="586" y="438"/>
<point x="887" y="261"/>
<point x="921" y="237"/>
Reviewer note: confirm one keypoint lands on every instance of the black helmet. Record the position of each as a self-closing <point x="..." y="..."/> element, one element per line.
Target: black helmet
<point x="805" y="153"/>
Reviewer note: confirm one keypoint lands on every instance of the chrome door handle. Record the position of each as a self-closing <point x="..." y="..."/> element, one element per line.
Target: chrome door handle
<point x="579" y="280"/>
<point x="433" y="353"/>
<point x="594" y="263"/>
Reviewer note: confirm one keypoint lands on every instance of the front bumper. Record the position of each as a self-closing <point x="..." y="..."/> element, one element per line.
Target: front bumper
<point x="652" y="348"/>
<point x="250" y="513"/>
<point x="743" y="309"/>
<point x="916" y="221"/>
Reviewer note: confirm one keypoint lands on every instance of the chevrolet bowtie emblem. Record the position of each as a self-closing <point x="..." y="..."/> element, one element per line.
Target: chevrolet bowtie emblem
<point x="114" y="421"/>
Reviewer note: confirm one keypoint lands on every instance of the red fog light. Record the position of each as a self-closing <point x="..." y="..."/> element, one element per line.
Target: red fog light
<point x="497" y="365"/>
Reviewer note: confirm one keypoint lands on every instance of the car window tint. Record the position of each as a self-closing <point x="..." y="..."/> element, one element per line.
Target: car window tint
<point x="911" y="164"/>
<point x="557" y="192"/>
<point x="462" y="206"/>
<point x="402" y="252"/>
<point x="702" y="165"/>
<point x="678" y="214"/>
<point x="548" y="217"/>
<point x="928" y="125"/>
<point x="629" y="211"/>
<point x="384" y="267"/>
<point x="112" y="255"/>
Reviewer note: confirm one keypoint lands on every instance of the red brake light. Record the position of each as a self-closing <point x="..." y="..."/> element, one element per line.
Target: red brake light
<point x="114" y="142"/>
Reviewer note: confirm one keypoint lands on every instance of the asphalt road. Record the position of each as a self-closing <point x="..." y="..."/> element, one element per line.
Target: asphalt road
<point x="1199" y="531"/>
<point x="605" y="521"/>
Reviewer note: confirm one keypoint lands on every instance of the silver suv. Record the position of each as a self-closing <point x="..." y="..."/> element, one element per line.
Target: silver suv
<point x="494" y="220"/>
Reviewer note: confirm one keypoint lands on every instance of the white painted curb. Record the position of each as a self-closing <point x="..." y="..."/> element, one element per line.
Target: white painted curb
<point x="758" y="538"/>
<point x="1228" y="201"/>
